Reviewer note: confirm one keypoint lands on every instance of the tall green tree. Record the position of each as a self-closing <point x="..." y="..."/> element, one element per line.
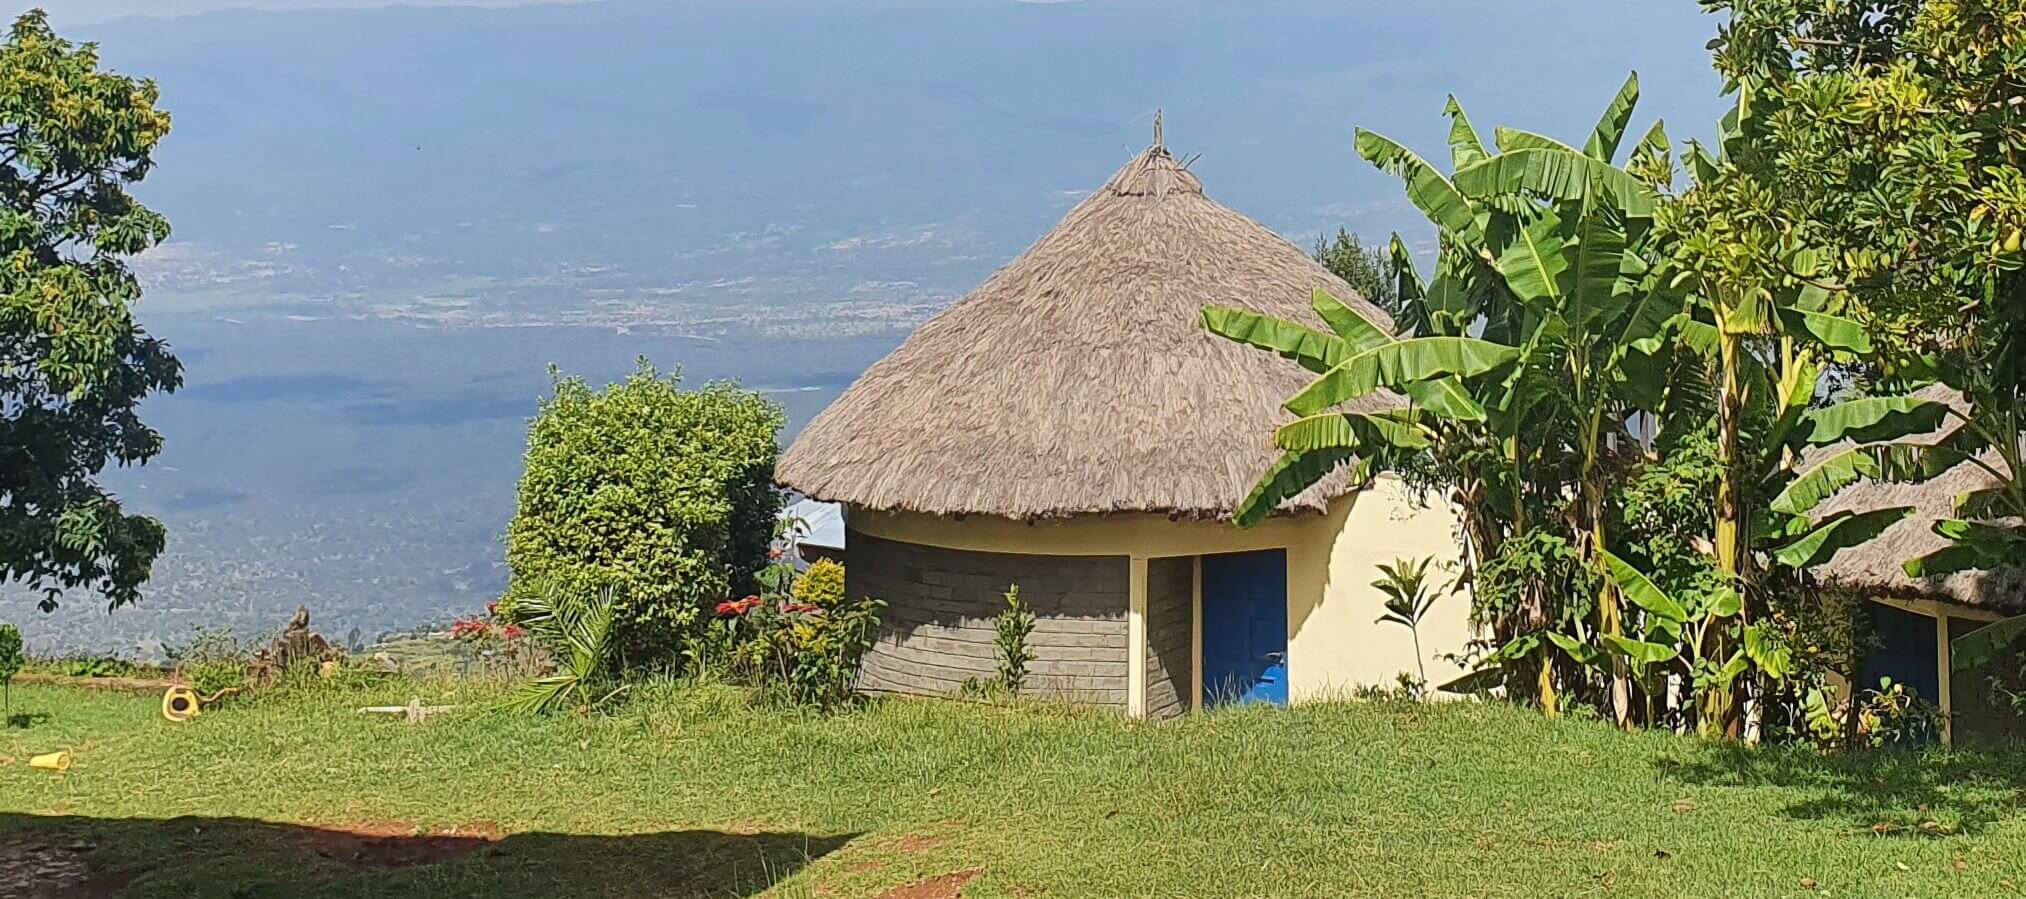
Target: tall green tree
<point x="74" y="363"/>
<point x="1885" y="142"/>
<point x="1370" y="271"/>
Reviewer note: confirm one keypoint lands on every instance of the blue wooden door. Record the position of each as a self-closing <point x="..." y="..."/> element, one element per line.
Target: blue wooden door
<point x="1245" y="627"/>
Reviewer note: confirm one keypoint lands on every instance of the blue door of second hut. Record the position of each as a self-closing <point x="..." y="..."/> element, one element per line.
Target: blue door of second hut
<point x="1245" y="627"/>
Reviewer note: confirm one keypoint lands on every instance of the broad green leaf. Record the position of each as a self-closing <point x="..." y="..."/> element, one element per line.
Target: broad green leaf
<point x="1977" y="545"/>
<point x="1829" y="476"/>
<point x="1640" y="590"/>
<point x="1584" y="654"/>
<point x="1532" y="261"/>
<point x="1590" y="282"/>
<point x="1655" y="140"/>
<point x="1432" y="193"/>
<point x="1398" y="364"/>
<point x="1359" y="333"/>
<point x="1765" y="650"/>
<point x="1641" y="652"/>
<point x="1541" y="166"/>
<point x="1911" y="462"/>
<point x="1834" y="331"/>
<point x="1837" y="533"/>
<point x="1338" y="430"/>
<point x="1874" y="419"/>
<point x="1316" y="351"/>
<point x="1292" y="474"/>
<point x="1444" y="398"/>
<point x="1991" y="502"/>
<point x="1703" y="166"/>
<point x="1603" y="143"/>
<point x="1464" y="145"/>
<point x="1795" y="392"/>
<point x="1986" y="644"/>
<point x="1725" y="603"/>
<point x="1699" y="337"/>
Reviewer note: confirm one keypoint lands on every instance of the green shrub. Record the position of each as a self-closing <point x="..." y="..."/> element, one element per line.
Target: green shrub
<point x="814" y="654"/>
<point x="1010" y="632"/>
<point x="822" y="585"/>
<point x="10" y="660"/>
<point x="662" y="496"/>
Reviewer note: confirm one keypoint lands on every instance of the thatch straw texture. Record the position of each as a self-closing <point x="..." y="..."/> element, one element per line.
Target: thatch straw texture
<point x="1874" y="568"/>
<point x="1078" y="379"/>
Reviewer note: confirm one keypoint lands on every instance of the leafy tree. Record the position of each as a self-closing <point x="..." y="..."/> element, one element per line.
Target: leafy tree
<point x="74" y="364"/>
<point x="1370" y="271"/>
<point x="661" y="495"/>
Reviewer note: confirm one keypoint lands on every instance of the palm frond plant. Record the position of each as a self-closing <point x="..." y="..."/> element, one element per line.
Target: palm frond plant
<point x="1409" y="596"/>
<point x="576" y="628"/>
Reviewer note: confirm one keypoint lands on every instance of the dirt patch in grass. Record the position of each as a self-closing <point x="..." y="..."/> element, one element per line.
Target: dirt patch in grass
<point x="916" y="844"/>
<point x="942" y="886"/>
<point x="395" y="844"/>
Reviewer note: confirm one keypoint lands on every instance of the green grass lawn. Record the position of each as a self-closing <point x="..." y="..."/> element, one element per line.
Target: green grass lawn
<point x="691" y="792"/>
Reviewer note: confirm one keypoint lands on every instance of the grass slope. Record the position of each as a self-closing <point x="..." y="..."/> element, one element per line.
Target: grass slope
<point x="691" y="792"/>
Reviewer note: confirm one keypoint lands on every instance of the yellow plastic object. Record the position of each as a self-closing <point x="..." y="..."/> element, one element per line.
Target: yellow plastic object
<point x="179" y="704"/>
<point x="54" y="761"/>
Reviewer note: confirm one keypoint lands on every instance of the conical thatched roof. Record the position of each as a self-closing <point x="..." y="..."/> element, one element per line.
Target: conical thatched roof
<point x="1078" y="379"/>
<point x="1874" y="568"/>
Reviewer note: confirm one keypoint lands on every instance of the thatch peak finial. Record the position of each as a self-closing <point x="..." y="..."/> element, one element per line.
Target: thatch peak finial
<point x="1157" y="130"/>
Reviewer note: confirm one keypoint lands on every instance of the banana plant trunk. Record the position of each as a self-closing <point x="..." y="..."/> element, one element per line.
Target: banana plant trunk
<point x="1610" y="616"/>
<point x="1718" y="710"/>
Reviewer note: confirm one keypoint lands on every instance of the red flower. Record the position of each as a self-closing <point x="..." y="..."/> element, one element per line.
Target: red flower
<point x="799" y="607"/>
<point x="492" y="608"/>
<point x="512" y="633"/>
<point x="773" y="552"/>
<point x="738" y="606"/>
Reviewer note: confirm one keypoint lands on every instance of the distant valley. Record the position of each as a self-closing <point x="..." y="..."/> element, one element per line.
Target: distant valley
<point x="389" y="222"/>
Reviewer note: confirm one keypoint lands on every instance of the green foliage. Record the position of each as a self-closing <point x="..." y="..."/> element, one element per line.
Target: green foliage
<point x="1010" y="633"/>
<point x="1369" y="271"/>
<point x="74" y="139"/>
<point x="11" y="660"/>
<point x="577" y="629"/>
<point x="213" y="660"/>
<point x="822" y="585"/>
<point x="1409" y="596"/>
<point x="662" y="497"/>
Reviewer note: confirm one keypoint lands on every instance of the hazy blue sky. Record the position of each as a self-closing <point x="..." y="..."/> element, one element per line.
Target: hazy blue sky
<point x="82" y="11"/>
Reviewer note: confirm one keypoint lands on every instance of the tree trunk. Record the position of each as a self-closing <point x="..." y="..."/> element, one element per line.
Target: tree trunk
<point x="1610" y="617"/>
<point x="1717" y="706"/>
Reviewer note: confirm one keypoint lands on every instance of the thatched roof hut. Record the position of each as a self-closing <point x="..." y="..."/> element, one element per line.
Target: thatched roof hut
<point x="1876" y="568"/>
<point x="1078" y="379"/>
<point x="1070" y="428"/>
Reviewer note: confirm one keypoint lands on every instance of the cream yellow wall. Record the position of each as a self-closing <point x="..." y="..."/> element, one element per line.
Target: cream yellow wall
<point x="1334" y="642"/>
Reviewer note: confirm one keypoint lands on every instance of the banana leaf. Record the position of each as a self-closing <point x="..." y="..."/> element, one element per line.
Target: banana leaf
<point x="1874" y="419"/>
<point x="1584" y="654"/>
<point x="1640" y="590"/>
<point x="1540" y="166"/>
<point x="1834" y="331"/>
<point x="1348" y="431"/>
<point x="1976" y="545"/>
<point x="1429" y="191"/>
<point x="1286" y="479"/>
<point x="1358" y="332"/>
<point x="1837" y="533"/>
<point x="1603" y="143"/>
<point x="1464" y="146"/>
<point x="1398" y="364"/>
<point x="1532" y="259"/>
<point x="1314" y="350"/>
<point x="1811" y="487"/>
<point x="1640" y="652"/>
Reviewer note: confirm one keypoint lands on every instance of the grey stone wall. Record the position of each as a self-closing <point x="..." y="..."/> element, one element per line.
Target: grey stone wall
<point x="941" y="603"/>
<point x="1171" y="608"/>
